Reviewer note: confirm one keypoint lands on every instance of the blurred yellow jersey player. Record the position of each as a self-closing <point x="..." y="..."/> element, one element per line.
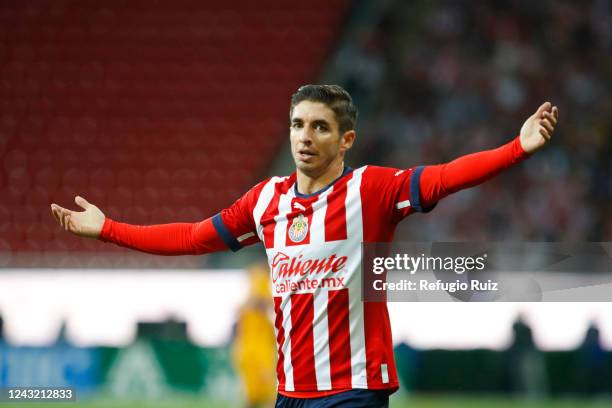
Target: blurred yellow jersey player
<point x="254" y="347"/>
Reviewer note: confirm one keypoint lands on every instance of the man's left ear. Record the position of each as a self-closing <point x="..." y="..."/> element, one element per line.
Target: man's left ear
<point x="347" y="140"/>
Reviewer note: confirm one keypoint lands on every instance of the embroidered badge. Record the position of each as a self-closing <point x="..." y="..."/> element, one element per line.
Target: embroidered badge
<point x="299" y="228"/>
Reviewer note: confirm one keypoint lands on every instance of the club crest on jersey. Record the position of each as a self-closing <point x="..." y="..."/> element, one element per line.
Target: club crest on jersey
<point x="298" y="228"/>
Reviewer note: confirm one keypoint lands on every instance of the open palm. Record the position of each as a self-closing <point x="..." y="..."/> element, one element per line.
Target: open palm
<point x="86" y="223"/>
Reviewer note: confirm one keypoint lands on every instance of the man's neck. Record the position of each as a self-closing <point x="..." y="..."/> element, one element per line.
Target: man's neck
<point x="308" y="185"/>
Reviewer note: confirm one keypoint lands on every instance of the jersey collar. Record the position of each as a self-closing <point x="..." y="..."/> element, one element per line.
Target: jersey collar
<point x="300" y="195"/>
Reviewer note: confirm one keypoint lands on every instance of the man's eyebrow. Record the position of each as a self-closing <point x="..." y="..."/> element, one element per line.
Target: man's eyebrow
<point x="316" y="122"/>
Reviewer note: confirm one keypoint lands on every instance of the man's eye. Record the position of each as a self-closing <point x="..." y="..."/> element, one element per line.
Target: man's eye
<point x="321" y="128"/>
<point x="296" y="125"/>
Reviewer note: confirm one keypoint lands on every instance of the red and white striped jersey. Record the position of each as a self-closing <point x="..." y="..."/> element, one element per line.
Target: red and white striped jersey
<point x="328" y="339"/>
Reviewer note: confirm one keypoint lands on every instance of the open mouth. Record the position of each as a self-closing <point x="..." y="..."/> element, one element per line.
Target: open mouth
<point x="305" y="154"/>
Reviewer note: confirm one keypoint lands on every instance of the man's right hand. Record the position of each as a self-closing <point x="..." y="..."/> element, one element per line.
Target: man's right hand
<point x="86" y="223"/>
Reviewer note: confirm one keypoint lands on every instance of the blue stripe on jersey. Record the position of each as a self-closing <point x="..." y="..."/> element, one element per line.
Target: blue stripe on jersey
<point x="225" y="234"/>
<point x="415" y="190"/>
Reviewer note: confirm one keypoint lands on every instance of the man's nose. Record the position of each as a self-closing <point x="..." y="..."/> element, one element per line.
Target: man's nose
<point x="306" y="135"/>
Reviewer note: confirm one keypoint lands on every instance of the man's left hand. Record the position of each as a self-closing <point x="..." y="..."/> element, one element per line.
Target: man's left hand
<point x="539" y="128"/>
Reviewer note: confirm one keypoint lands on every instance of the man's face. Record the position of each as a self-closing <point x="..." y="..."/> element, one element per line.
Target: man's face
<point x="316" y="141"/>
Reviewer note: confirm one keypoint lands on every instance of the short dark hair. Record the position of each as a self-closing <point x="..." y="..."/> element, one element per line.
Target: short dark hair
<point x="334" y="97"/>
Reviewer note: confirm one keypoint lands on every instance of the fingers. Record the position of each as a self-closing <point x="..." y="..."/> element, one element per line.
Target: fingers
<point x="545" y="107"/>
<point x="61" y="215"/>
<point x="552" y="116"/>
<point x="55" y="212"/>
<point x="545" y="134"/>
<point x="548" y="122"/>
<point x="81" y="202"/>
<point x="65" y="218"/>
<point x="70" y="226"/>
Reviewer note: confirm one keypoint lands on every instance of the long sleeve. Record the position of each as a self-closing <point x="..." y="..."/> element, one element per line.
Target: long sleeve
<point x="438" y="181"/>
<point x="165" y="239"/>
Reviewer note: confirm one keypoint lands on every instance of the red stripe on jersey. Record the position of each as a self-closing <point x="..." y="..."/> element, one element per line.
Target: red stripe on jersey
<point x="267" y="220"/>
<point x="379" y="347"/>
<point x="302" y="342"/>
<point x="280" y="340"/>
<point x="377" y="327"/>
<point x="339" y="339"/>
<point x="335" y="217"/>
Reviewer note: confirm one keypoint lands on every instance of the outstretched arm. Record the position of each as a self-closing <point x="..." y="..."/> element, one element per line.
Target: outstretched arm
<point x="165" y="239"/>
<point x="436" y="182"/>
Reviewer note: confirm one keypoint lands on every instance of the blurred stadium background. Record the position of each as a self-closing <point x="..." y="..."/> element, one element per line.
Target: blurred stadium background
<point x="161" y="111"/>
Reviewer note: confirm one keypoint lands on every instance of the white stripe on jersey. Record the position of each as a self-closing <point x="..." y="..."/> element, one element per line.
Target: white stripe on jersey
<point x="354" y="229"/>
<point x="286" y="310"/>
<point x="319" y="208"/>
<point x="280" y="226"/>
<point x="321" y="341"/>
<point x="245" y="236"/>
<point x="402" y="204"/>
<point x="384" y="371"/>
<point x="266" y="195"/>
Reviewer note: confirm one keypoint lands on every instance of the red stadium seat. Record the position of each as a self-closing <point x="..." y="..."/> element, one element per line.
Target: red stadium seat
<point x="136" y="215"/>
<point x="19" y="179"/>
<point x="121" y="196"/>
<point x="16" y="158"/>
<point x="48" y="178"/>
<point x="5" y="214"/>
<point x="130" y="178"/>
<point x="162" y="215"/>
<point x="74" y="177"/>
<point x="38" y="233"/>
<point x="102" y="178"/>
<point x="149" y="196"/>
<point x="39" y="196"/>
<point x="26" y="215"/>
<point x="157" y="178"/>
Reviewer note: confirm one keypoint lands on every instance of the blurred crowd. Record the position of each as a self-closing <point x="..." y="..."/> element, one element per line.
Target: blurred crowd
<point x="436" y="80"/>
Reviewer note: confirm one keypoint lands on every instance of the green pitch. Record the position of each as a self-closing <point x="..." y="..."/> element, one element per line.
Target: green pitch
<point x="396" y="402"/>
<point x="497" y="402"/>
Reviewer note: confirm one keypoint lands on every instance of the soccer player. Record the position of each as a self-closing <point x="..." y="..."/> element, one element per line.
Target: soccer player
<point x="254" y="342"/>
<point x="333" y="349"/>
